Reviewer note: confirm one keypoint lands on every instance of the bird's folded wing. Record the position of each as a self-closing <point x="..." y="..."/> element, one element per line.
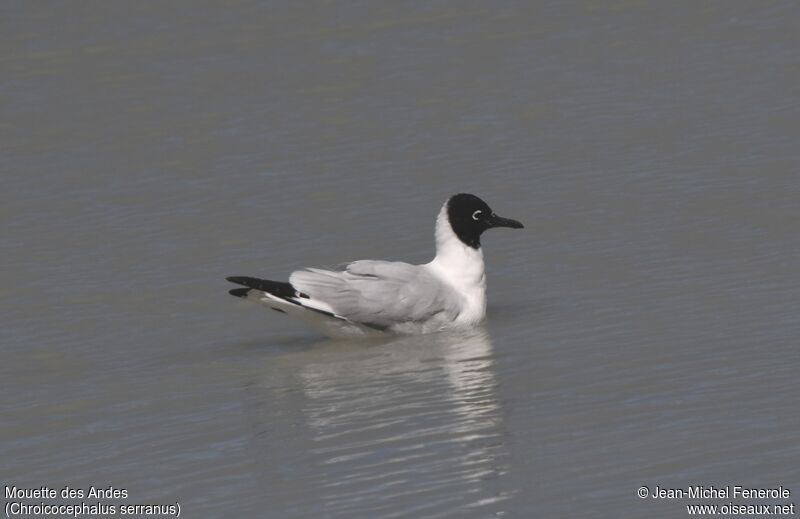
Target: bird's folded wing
<point x="379" y="293"/>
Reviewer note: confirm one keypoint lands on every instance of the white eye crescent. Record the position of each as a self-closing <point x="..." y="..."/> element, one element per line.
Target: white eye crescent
<point x="476" y="214"/>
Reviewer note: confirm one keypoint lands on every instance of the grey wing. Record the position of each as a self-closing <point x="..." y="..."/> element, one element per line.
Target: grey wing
<point x="378" y="293"/>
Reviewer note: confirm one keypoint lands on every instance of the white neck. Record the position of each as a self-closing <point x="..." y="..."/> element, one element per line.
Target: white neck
<point x="460" y="266"/>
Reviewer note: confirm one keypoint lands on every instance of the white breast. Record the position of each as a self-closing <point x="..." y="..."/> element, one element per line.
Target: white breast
<point x="460" y="267"/>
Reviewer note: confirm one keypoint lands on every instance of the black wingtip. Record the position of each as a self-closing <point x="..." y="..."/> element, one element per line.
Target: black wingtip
<point x="239" y="292"/>
<point x="277" y="288"/>
<point x="249" y="282"/>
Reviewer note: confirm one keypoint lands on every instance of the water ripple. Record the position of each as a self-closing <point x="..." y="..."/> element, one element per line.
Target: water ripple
<point x="417" y="417"/>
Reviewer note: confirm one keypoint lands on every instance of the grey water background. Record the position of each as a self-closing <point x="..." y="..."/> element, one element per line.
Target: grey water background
<point x="643" y="329"/>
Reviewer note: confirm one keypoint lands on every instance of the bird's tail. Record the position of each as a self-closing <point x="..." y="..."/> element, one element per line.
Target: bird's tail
<point x="285" y="298"/>
<point x="276" y="288"/>
<point x="278" y="295"/>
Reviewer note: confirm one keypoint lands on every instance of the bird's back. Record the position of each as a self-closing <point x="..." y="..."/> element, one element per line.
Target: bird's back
<point x="388" y="295"/>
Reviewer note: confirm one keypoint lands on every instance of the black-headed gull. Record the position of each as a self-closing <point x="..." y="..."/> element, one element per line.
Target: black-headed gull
<point x="369" y="296"/>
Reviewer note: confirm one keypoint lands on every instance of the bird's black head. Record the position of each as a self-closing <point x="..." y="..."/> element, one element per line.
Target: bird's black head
<point x="469" y="216"/>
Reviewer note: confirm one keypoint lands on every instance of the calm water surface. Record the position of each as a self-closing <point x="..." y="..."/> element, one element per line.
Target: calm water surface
<point x="643" y="328"/>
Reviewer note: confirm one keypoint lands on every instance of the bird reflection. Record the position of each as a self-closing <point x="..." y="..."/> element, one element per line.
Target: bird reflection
<point x="393" y="429"/>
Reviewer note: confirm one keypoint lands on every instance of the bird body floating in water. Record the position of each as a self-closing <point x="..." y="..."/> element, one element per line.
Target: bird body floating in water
<point x="371" y="297"/>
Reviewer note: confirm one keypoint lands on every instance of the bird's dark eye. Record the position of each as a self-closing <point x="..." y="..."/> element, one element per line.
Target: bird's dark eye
<point x="476" y="215"/>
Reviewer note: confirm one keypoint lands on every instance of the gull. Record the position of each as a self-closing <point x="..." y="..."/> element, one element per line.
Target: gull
<point x="370" y="297"/>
